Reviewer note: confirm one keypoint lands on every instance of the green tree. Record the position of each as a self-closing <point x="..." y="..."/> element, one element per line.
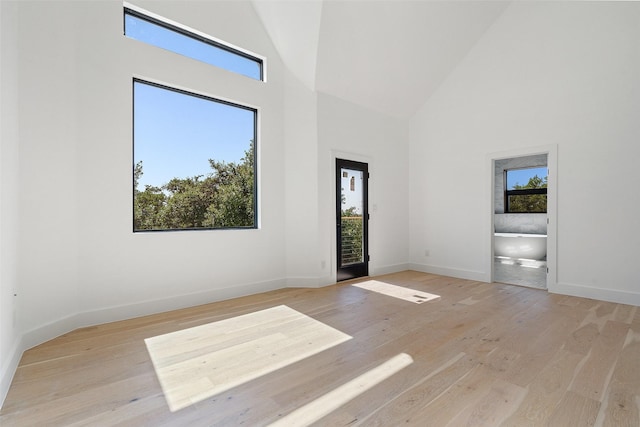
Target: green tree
<point x="137" y="173"/>
<point x="147" y="204"/>
<point x="234" y="192"/>
<point x="534" y="182"/>
<point x="224" y="198"/>
<point x="350" y="212"/>
<point x="186" y="205"/>
<point x="351" y="236"/>
<point x="351" y="233"/>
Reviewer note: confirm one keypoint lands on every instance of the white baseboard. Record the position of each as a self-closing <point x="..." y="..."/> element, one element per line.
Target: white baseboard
<point x="610" y="295"/>
<point x="9" y="370"/>
<point x="123" y="312"/>
<point x="59" y="327"/>
<point x="388" y="269"/>
<point x="451" y="272"/>
<point x="28" y="340"/>
<point x="310" y="282"/>
<point x="303" y="282"/>
<point x="49" y="331"/>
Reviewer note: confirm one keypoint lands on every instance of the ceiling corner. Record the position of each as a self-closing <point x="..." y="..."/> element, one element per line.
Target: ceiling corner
<point x="294" y="29"/>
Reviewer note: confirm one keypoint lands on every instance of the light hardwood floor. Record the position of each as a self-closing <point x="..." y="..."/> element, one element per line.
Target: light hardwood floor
<point x="482" y="354"/>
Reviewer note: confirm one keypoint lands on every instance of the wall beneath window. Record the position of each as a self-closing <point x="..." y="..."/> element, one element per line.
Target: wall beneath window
<point x="550" y="73"/>
<point x="527" y="223"/>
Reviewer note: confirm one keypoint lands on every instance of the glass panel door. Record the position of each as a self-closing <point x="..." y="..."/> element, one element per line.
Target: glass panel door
<point x="352" y="219"/>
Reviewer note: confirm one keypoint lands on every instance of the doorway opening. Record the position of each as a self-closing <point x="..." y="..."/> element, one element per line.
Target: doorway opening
<point x="520" y="220"/>
<point x="352" y="219"/>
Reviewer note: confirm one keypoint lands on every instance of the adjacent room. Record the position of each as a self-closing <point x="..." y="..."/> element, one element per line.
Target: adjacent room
<point x="319" y="212"/>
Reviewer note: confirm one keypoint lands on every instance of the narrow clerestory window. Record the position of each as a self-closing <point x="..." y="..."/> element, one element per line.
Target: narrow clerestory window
<point x="191" y="43"/>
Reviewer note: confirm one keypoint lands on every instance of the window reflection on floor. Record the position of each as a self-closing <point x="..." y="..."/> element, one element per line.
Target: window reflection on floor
<point x="337" y="397"/>
<point x="395" y="291"/>
<point x="196" y="363"/>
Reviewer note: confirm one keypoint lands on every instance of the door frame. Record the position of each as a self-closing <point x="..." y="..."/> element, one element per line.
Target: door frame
<point x="361" y="269"/>
<point x="552" y="208"/>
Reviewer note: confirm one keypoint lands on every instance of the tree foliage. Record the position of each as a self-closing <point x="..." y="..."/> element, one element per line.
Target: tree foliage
<point x="534" y="182"/>
<point x="351" y="234"/>
<point x="224" y="198"/>
<point x="350" y="212"/>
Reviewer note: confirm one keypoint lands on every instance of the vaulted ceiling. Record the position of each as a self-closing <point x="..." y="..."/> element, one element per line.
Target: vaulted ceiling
<point x="389" y="56"/>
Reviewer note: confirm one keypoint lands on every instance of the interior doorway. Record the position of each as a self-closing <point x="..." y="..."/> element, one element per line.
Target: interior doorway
<point x="523" y="217"/>
<point x="352" y="219"/>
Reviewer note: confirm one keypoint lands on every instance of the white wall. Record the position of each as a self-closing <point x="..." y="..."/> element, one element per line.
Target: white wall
<point x="48" y="187"/>
<point x="303" y="258"/>
<point x="9" y="213"/>
<point x="355" y="133"/>
<point x="318" y="129"/>
<point x="546" y="73"/>
<point x="118" y="267"/>
<point x="78" y="261"/>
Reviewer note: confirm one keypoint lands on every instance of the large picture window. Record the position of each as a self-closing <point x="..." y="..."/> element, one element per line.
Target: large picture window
<point x="526" y="190"/>
<point x="194" y="161"/>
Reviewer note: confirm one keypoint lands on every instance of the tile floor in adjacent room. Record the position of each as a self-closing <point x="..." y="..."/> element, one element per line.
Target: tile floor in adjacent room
<point x="521" y="272"/>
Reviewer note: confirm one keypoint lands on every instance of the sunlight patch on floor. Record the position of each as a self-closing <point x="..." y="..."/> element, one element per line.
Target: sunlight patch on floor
<point x="325" y="404"/>
<point x="395" y="291"/>
<point x="197" y="363"/>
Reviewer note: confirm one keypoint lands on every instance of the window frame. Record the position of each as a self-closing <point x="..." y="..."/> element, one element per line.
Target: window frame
<point x="255" y="111"/>
<point x="129" y="9"/>
<point x="521" y="192"/>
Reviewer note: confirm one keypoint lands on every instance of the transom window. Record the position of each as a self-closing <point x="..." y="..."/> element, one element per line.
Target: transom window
<point x="194" y="161"/>
<point x="525" y="190"/>
<point x="190" y="43"/>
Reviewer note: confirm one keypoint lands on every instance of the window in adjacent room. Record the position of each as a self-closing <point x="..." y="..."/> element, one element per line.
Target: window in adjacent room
<point x="191" y="43"/>
<point x="194" y="161"/>
<point x="526" y="190"/>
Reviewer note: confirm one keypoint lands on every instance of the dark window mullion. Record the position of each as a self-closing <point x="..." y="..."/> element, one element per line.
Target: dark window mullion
<point x="526" y="191"/>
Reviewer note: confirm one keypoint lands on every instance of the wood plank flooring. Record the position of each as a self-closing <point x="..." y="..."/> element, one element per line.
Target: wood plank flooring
<point x="482" y="354"/>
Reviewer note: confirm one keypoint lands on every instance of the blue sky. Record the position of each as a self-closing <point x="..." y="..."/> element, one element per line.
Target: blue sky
<point x="175" y="134"/>
<point x="159" y="36"/>
<point x="521" y="176"/>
